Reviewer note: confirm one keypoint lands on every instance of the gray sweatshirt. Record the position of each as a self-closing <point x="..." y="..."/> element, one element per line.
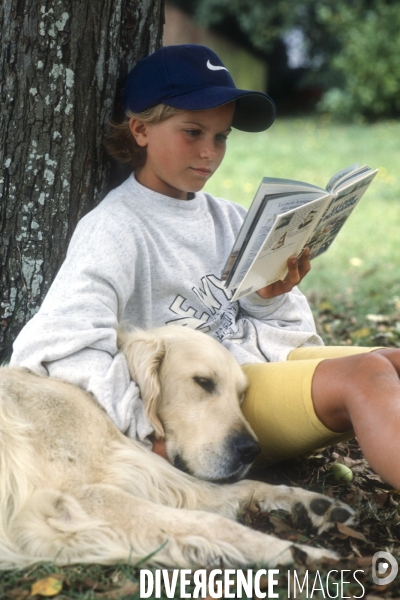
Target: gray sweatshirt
<point x="149" y="260"/>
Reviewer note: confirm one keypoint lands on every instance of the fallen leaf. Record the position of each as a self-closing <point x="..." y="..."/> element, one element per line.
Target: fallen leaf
<point x="18" y="594"/>
<point x="380" y="497"/>
<point x="374" y="477"/>
<point x="364" y="561"/>
<point x="263" y="584"/>
<point x="355" y="261"/>
<point x="279" y="525"/>
<point x="361" y="333"/>
<point x="351" y="463"/>
<point x="48" y="586"/>
<point x="130" y="587"/>
<point x="93" y="584"/>
<point x="354" y="548"/>
<point x="325" y="306"/>
<point x="378" y="318"/>
<point x="349" y="532"/>
<point x="379" y="588"/>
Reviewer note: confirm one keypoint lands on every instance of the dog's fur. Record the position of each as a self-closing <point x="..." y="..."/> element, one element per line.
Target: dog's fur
<point x="74" y="489"/>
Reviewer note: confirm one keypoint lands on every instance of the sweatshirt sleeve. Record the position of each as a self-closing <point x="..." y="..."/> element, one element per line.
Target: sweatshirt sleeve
<point x="289" y="309"/>
<point x="73" y="336"/>
<point x="281" y="323"/>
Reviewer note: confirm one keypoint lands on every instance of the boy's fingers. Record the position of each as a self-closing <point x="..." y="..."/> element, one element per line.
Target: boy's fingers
<point x="297" y="269"/>
<point x="304" y="262"/>
<point x="293" y="277"/>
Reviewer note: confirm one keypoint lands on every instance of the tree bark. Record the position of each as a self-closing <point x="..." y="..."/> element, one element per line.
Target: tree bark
<point x="63" y="63"/>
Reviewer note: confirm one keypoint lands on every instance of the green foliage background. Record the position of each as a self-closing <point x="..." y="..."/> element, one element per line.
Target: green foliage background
<point x="353" y="47"/>
<point x="368" y="62"/>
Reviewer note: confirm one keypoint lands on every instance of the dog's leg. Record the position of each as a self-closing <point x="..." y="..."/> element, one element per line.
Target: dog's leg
<point x="162" y="483"/>
<point x="232" y="500"/>
<point x="99" y="523"/>
<point x="321" y="511"/>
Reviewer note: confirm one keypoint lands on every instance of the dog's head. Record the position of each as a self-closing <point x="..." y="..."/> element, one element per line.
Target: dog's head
<point x="192" y="388"/>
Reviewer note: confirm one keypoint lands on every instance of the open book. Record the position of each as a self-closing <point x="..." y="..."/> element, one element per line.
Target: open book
<point x="285" y="217"/>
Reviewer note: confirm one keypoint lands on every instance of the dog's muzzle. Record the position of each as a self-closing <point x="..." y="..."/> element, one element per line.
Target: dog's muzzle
<point x="244" y="449"/>
<point x="231" y="464"/>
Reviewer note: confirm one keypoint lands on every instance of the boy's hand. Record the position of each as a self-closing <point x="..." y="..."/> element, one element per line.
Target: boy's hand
<point x="298" y="268"/>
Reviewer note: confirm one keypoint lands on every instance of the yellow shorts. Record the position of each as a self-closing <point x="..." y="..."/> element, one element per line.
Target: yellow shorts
<point x="279" y="407"/>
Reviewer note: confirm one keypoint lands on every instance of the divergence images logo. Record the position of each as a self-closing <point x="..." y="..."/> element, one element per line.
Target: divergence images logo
<point x="387" y="567"/>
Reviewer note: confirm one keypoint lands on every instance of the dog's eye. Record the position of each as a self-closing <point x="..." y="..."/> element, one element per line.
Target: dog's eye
<point x="206" y="383"/>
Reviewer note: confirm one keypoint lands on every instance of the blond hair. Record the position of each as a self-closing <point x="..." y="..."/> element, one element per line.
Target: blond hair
<point x="120" y="143"/>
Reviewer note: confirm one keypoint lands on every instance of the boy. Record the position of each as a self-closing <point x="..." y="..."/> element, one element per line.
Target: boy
<point x="151" y="254"/>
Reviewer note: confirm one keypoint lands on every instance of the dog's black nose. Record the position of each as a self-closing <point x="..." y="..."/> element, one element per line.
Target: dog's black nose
<point x="246" y="448"/>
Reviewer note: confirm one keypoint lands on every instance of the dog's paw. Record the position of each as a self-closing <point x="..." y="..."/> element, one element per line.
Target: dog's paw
<point x="282" y="553"/>
<point x="314" y="554"/>
<point x="323" y="512"/>
<point x="307" y="508"/>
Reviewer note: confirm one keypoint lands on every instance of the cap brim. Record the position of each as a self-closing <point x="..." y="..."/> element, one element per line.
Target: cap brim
<point x="254" y="111"/>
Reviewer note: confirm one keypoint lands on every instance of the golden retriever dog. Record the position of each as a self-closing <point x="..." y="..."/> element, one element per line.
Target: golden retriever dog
<point x="75" y="489"/>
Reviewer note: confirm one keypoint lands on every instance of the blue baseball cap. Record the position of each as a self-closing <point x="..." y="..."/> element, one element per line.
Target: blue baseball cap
<point x="193" y="77"/>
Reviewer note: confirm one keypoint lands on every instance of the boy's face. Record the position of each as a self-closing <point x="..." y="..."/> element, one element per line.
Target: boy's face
<point x="183" y="151"/>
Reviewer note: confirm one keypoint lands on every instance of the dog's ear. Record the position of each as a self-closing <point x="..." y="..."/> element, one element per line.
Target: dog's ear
<point x="145" y="353"/>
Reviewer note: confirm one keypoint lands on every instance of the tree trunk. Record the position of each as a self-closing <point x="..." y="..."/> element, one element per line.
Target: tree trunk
<point x="63" y="63"/>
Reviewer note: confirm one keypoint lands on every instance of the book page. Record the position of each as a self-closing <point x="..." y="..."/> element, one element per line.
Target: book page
<point x="270" y="189"/>
<point x="349" y="178"/>
<point x="286" y="237"/>
<point x="335" y="216"/>
<point x="339" y="175"/>
<point x="269" y="212"/>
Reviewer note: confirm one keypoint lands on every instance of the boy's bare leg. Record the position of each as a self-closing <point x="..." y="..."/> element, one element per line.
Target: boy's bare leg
<point x="363" y="392"/>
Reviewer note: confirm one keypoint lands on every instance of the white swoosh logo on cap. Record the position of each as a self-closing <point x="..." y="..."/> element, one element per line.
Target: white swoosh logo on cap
<point x="215" y="67"/>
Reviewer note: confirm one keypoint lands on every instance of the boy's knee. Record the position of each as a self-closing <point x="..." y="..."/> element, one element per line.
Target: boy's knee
<point x="369" y="366"/>
<point x="371" y="377"/>
<point x="345" y="376"/>
<point x="348" y="386"/>
<point x="374" y="362"/>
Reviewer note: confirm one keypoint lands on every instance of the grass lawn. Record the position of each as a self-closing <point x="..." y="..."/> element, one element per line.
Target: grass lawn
<point x="361" y="267"/>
